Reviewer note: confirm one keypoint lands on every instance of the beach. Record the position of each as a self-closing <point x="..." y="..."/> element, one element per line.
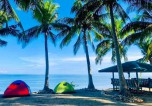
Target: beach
<point x="82" y="97"/>
<point x="79" y="98"/>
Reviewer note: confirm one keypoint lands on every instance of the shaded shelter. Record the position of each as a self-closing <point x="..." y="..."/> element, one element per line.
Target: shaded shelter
<point x="128" y="67"/>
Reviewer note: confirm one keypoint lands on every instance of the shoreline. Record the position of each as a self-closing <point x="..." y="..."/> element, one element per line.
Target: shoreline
<point x="82" y="97"/>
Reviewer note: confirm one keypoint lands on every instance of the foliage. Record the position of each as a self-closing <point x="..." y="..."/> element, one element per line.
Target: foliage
<point x="107" y="43"/>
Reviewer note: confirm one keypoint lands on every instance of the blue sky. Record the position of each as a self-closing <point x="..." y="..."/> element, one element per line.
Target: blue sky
<point x="30" y="60"/>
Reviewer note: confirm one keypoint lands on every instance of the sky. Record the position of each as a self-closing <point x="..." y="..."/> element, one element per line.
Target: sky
<point x="14" y="59"/>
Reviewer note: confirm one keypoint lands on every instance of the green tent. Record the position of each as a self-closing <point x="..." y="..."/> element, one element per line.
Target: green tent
<point x="64" y="87"/>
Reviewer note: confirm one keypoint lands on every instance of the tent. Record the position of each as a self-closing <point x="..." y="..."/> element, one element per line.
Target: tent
<point x="64" y="87"/>
<point x="17" y="88"/>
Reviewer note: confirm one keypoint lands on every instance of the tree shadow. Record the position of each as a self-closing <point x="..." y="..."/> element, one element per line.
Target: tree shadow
<point x="76" y="99"/>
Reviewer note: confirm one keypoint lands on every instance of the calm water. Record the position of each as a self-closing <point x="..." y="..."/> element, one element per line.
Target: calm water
<point x="36" y="82"/>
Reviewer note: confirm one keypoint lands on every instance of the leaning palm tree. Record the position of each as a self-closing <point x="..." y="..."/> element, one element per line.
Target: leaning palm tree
<point x="82" y="28"/>
<point x="99" y="7"/>
<point x="46" y="17"/>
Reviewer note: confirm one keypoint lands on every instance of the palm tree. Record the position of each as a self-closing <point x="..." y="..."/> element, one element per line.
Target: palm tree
<point x="46" y="17"/>
<point x="99" y="7"/>
<point x="81" y="28"/>
<point x="106" y="45"/>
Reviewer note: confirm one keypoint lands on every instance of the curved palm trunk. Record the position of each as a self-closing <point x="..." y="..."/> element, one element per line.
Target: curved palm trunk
<point x="123" y="86"/>
<point x="6" y="13"/>
<point x="150" y="60"/>
<point x="90" y="83"/>
<point x="46" y="84"/>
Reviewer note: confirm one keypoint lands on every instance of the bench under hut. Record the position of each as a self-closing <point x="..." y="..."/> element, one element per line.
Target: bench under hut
<point x="131" y="67"/>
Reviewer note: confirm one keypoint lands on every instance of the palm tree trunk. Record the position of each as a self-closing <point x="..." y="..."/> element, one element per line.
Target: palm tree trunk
<point x="150" y="60"/>
<point x="123" y="86"/>
<point x="90" y="83"/>
<point x="46" y="84"/>
<point x="6" y="13"/>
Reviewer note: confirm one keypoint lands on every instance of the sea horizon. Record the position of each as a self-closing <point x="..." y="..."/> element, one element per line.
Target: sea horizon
<point x="101" y="81"/>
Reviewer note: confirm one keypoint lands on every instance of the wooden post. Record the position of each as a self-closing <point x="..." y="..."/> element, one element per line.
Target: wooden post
<point x="128" y="75"/>
<point x="137" y="80"/>
<point x="113" y="80"/>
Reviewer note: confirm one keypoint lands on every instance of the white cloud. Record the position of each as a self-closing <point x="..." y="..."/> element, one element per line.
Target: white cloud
<point x="74" y="59"/>
<point x="77" y="59"/>
<point x="3" y="71"/>
<point x="36" y="61"/>
<point x="62" y="64"/>
<point x="39" y="61"/>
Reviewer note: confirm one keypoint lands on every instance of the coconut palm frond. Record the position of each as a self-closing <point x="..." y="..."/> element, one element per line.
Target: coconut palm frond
<point x="77" y="44"/>
<point x="6" y="7"/>
<point x="123" y="52"/>
<point x="66" y="20"/>
<point x="103" y="44"/>
<point x="102" y="17"/>
<point x="137" y="26"/>
<point x="146" y="16"/>
<point x="2" y="43"/>
<point x="83" y="13"/>
<point x="120" y="11"/>
<point x="28" y="4"/>
<point x="90" y="40"/>
<point x="10" y="30"/>
<point x="101" y="28"/>
<point x="76" y="6"/>
<point x="113" y="58"/>
<point x="63" y="33"/>
<point x="52" y="37"/>
<point x="149" y="51"/>
<point x="25" y="5"/>
<point x="138" y="36"/>
<point x="68" y="37"/>
<point x="29" y="35"/>
<point x="102" y="49"/>
<point x="60" y="26"/>
<point x="100" y="55"/>
<point x="98" y="36"/>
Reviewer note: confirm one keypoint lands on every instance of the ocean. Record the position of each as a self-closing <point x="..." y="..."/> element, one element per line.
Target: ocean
<point x="36" y="82"/>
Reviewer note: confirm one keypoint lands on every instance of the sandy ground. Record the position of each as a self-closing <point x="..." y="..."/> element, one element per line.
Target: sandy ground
<point x="80" y="98"/>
